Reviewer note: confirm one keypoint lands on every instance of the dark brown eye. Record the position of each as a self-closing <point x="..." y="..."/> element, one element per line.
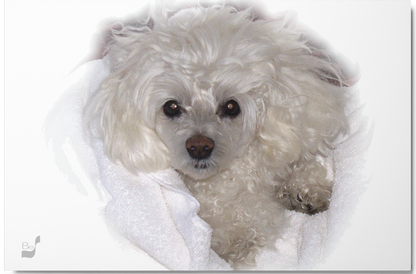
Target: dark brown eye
<point x="231" y="108"/>
<point x="171" y="108"/>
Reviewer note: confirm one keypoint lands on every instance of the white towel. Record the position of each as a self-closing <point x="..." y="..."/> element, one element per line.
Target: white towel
<point x="157" y="213"/>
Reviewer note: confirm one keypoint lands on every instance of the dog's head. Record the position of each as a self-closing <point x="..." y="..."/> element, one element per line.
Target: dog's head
<point x="195" y="90"/>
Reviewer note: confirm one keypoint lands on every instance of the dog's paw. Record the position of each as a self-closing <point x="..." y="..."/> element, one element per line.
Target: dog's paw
<point x="307" y="189"/>
<point x="310" y="201"/>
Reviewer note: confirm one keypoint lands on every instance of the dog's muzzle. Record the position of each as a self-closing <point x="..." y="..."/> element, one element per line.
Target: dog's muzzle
<point x="199" y="147"/>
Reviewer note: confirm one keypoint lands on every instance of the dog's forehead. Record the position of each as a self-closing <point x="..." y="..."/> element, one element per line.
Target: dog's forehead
<point x="203" y="99"/>
<point x="209" y="86"/>
<point x="217" y="93"/>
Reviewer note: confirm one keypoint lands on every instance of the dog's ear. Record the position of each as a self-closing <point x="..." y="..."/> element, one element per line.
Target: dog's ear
<point x="306" y="111"/>
<point x="279" y="140"/>
<point x="301" y="122"/>
<point x="112" y="115"/>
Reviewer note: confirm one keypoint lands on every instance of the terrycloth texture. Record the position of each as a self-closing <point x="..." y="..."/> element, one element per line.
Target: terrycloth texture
<point x="157" y="213"/>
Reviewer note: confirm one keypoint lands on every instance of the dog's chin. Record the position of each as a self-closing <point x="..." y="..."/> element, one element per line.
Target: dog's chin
<point x="199" y="170"/>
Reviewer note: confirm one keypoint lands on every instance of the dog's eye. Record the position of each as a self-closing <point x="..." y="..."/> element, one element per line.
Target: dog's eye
<point x="231" y="108"/>
<point x="171" y="108"/>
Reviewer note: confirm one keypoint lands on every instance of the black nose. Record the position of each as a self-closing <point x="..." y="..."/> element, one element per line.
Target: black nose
<point x="199" y="147"/>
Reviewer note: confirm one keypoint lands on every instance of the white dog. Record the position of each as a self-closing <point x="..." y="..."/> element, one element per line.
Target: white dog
<point x="240" y="106"/>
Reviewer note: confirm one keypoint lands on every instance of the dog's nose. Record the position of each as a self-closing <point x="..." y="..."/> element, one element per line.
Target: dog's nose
<point x="199" y="147"/>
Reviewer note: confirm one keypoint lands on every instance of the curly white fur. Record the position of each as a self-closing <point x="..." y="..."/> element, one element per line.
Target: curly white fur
<point x="265" y="158"/>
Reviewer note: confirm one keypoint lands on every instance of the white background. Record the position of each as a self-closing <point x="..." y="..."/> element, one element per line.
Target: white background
<point x="45" y="39"/>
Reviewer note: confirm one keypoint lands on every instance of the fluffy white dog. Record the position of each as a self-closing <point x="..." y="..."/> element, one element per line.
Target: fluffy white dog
<point x="240" y="106"/>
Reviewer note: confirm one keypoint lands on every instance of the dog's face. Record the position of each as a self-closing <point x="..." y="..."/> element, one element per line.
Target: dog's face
<point x="206" y="127"/>
<point x="207" y="99"/>
<point x="193" y="91"/>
